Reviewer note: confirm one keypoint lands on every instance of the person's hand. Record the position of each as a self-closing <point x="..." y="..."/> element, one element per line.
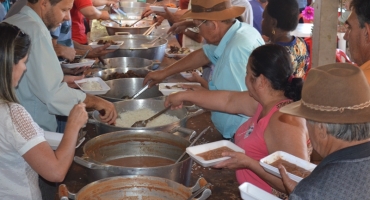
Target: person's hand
<point x="174" y="100"/>
<point x="289" y="184"/>
<point x="74" y="71"/>
<point x="180" y="27"/>
<point x="154" y="77"/>
<point x="158" y="20"/>
<point x="237" y="160"/>
<point x="108" y="113"/>
<point x="65" y="52"/>
<point x="195" y="77"/>
<point x="77" y="116"/>
<point x="70" y="80"/>
<point x="99" y="51"/>
<point x="146" y="12"/>
<point x="171" y="17"/>
<point x="192" y="87"/>
<point x="113" y="2"/>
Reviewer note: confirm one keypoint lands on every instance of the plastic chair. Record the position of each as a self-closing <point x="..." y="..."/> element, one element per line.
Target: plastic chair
<point x="341" y="56"/>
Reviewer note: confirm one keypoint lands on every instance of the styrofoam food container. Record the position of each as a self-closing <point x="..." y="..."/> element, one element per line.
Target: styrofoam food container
<point x="105" y="87"/>
<point x="85" y="63"/>
<point x="248" y="191"/>
<point x="188" y="75"/>
<point x="53" y="139"/>
<point x="194" y="150"/>
<point x="161" y="9"/>
<point x="266" y="161"/>
<point x="95" y="45"/>
<point x="165" y="91"/>
<point x="171" y="55"/>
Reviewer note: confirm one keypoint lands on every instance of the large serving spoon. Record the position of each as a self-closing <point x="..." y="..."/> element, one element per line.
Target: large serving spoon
<point x="137" y="93"/>
<point x="136" y="21"/>
<point x="195" y="140"/>
<point x="143" y="123"/>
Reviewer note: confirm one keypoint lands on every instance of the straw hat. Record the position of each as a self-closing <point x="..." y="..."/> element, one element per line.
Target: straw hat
<point x="335" y="93"/>
<point x="213" y="10"/>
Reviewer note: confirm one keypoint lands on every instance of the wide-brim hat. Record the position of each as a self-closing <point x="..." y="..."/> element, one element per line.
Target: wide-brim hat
<point x="213" y="10"/>
<point x="336" y="93"/>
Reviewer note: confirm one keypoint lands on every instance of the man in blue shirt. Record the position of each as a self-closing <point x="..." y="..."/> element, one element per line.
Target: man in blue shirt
<point x="229" y="45"/>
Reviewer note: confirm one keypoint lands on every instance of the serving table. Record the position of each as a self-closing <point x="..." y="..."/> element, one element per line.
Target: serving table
<point x="224" y="183"/>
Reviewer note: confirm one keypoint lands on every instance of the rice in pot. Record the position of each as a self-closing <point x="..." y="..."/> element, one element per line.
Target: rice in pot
<point x="128" y="118"/>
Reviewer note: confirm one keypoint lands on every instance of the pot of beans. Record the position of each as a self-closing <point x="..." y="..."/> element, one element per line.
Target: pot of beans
<point x="138" y="45"/>
<point x="137" y="187"/>
<point x="122" y="26"/>
<point x="137" y="152"/>
<point x="131" y="111"/>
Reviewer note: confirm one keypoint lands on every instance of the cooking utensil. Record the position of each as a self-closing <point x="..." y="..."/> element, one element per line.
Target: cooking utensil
<point x="152" y="43"/>
<point x="150" y="29"/>
<point x="134" y="187"/>
<point x="132" y="47"/>
<point x="118" y="11"/>
<point x="199" y="191"/>
<point x="116" y="21"/>
<point x="84" y="56"/>
<point x="139" y="92"/>
<point x="194" y="141"/>
<point x="143" y="123"/>
<point x="136" y="22"/>
<point x="101" y="150"/>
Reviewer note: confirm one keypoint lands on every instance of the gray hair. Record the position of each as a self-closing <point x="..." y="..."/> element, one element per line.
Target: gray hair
<point x="347" y="132"/>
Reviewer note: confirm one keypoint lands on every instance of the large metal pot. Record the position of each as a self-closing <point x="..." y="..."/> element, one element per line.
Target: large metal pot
<point x="137" y="46"/>
<point x="156" y="105"/>
<point x="127" y="87"/>
<point x="131" y="63"/>
<point x="104" y="74"/>
<point x="138" y="28"/>
<point x="135" y="187"/>
<point x="107" y="148"/>
<point x="133" y="9"/>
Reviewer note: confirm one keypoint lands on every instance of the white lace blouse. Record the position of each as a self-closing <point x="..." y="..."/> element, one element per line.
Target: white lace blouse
<point x="18" y="134"/>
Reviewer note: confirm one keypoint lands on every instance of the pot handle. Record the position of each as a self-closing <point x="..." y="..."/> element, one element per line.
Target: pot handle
<point x="205" y="194"/>
<point x="195" y="113"/>
<point x="64" y="194"/>
<point x="84" y="162"/>
<point x="122" y="33"/>
<point x="201" y="186"/>
<point x="155" y="64"/>
<point x="186" y="131"/>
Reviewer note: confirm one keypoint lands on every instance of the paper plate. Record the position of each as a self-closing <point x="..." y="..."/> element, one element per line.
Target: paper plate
<point x="117" y="46"/>
<point x="85" y="63"/>
<point x="161" y="9"/>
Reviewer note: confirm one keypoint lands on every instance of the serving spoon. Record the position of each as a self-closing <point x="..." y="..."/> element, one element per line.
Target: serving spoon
<point x="143" y="123"/>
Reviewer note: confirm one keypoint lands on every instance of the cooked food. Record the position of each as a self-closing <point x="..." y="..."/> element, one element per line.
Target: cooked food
<point x="91" y="86"/>
<point x="171" y="5"/>
<point x="291" y="168"/>
<point x="127" y="25"/>
<point x="128" y="74"/>
<point x="178" y="50"/>
<point x="102" y="42"/>
<point x="215" y="153"/>
<point x="128" y="118"/>
<point x="173" y="86"/>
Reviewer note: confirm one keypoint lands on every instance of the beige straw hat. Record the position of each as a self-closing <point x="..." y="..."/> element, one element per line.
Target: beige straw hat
<point x="335" y="93"/>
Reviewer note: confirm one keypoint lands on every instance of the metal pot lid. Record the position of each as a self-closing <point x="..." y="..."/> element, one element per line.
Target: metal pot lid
<point x="136" y="41"/>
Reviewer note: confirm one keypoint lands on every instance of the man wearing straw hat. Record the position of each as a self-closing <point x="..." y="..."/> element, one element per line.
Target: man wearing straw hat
<point x="229" y="44"/>
<point x="336" y="104"/>
<point x="358" y="34"/>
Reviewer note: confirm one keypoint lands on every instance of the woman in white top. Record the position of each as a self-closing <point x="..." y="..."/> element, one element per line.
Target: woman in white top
<point x="24" y="152"/>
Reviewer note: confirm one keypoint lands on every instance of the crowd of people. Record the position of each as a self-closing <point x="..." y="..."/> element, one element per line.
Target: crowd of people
<point x="256" y="92"/>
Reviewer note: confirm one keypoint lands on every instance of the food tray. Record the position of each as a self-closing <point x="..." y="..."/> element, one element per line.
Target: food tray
<point x="248" y="191"/>
<point x="95" y="45"/>
<point x="85" y="63"/>
<point x="165" y="91"/>
<point x="105" y="87"/>
<point x="53" y="139"/>
<point x="161" y="9"/>
<point x="188" y="75"/>
<point x="266" y="161"/>
<point x="194" y="150"/>
<point x="171" y="55"/>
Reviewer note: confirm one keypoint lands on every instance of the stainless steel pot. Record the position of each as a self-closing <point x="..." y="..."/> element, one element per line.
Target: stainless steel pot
<point x="137" y="46"/>
<point x="131" y="63"/>
<point x="156" y="105"/>
<point x="139" y="28"/>
<point x="135" y="187"/>
<point x="136" y="143"/>
<point x="126" y="87"/>
<point x="133" y="9"/>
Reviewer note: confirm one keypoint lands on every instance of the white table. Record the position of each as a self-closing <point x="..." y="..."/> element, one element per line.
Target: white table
<point x="305" y="30"/>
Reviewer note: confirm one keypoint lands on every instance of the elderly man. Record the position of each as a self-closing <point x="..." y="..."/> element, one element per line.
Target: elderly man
<point x="336" y="104"/>
<point x="229" y="44"/>
<point x="357" y="34"/>
<point x="42" y="90"/>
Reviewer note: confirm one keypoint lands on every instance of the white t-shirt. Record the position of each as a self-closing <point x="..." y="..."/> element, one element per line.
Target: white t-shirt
<point x="248" y="12"/>
<point x="18" y="134"/>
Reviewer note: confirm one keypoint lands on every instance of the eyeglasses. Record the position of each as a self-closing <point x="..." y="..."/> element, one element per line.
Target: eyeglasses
<point x="18" y="30"/>
<point x="196" y="28"/>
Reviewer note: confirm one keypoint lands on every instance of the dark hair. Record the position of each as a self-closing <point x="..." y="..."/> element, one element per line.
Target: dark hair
<point x="14" y="46"/>
<point x="362" y="10"/>
<point x="52" y="2"/>
<point x="285" y="12"/>
<point x="274" y="62"/>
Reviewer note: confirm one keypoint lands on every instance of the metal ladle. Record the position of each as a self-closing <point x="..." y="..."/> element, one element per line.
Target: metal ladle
<point x="143" y="123"/>
<point x="138" y="93"/>
<point x="195" y="140"/>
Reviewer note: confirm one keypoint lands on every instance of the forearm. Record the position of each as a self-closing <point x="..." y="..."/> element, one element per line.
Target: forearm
<point x="91" y="13"/>
<point x="194" y="36"/>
